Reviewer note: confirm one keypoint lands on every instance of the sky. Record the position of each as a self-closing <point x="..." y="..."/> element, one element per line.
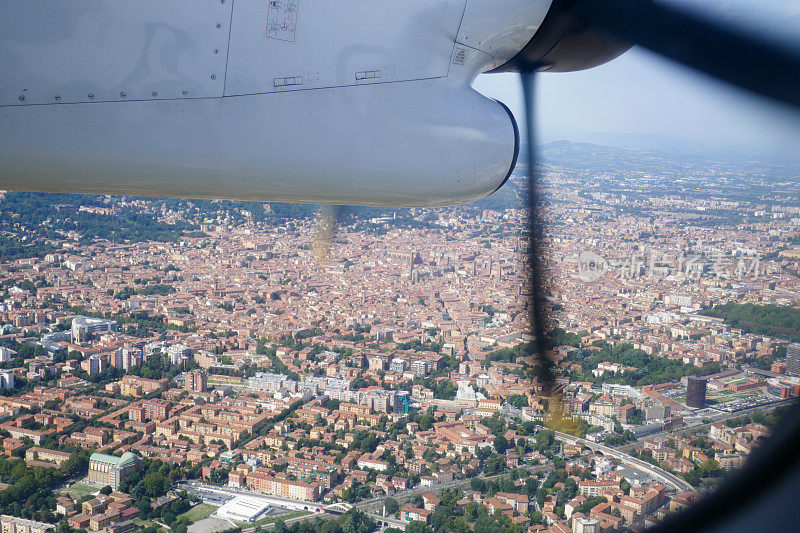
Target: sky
<point x="642" y="99"/>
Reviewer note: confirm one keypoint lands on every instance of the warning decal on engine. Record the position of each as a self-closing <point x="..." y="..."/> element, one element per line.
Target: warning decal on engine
<point x="282" y="19"/>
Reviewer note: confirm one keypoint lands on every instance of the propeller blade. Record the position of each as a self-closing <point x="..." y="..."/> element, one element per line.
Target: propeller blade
<point x="538" y="314"/>
<point x="746" y="61"/>
<point x="325" y="226"/>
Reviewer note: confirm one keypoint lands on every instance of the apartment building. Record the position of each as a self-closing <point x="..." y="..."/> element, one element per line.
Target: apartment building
<point x="12" y="524"/>
<point x="261" y="481"/>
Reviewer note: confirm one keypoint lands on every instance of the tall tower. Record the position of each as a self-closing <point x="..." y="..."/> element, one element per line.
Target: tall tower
<point x="196" y="381"/>
<point x="793" y="359"/>
<point x="696" y="392"/>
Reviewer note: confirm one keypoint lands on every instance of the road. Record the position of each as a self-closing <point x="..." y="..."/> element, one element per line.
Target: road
<point x="719" y="417"/>
<point x="658" y="473"/>
<point x="620" y="452"/>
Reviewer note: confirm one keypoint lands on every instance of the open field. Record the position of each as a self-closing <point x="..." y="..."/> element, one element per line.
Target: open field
<point x="79" y="490"/>
<point x="199" y="512"/>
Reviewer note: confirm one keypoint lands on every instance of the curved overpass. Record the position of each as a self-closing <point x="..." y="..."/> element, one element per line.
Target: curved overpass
<point x="660" y="474"/>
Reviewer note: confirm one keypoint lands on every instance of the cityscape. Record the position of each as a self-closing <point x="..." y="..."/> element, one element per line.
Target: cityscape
<point x="203" y="366"/>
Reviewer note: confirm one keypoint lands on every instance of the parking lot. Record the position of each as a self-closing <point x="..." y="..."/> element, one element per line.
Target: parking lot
<point x="209" y="525"/>
<point x="746" y="403"/>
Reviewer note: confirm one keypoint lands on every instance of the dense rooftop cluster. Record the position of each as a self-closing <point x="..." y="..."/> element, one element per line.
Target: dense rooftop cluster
<point x="391" y="367"/>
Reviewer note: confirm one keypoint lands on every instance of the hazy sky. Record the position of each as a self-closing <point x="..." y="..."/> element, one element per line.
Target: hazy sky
<point x="640" y="93"/>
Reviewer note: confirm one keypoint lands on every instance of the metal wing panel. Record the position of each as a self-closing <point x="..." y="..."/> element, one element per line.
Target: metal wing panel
<point x="281" y="45"/>
<point x="67" y="51"/>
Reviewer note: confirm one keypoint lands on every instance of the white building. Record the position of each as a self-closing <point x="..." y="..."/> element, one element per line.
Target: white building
<point x="82" y="326"/>
<point x="266" y="382"/>
<point x="397" y="365"/>
<point x="6" y="354"/>
<point x="6" y="380"/>
<point x="622" y="390"/>
<point x="127" y="358"/>
<point x="179" y="354"/>
<point x="154" y="347"/>
<point x="465" y="391"/>
<point x="243" y="509"/>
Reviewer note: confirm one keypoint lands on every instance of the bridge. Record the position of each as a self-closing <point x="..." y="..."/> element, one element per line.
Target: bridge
<point x="385" y="521"/>
<point x="382" y="521"/>
<point x="657" y="473"/>
<point x="338" y="508"/>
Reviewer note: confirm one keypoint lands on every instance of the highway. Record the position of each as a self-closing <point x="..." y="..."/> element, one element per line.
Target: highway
<point x="714" y="418"/>
<point x="660" y="474"/>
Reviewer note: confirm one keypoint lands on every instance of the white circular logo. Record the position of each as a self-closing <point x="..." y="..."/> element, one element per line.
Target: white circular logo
<point x="591" y="266"/>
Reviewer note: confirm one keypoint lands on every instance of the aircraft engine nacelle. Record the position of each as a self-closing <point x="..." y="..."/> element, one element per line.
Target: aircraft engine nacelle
<point x="366" y="102"/>
<point x="420" y="145"/>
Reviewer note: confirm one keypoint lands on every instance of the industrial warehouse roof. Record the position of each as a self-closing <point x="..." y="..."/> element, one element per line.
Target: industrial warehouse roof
<point x="244" y="509"/>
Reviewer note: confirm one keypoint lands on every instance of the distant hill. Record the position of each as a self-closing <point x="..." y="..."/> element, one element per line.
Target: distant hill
<point x="658" y="156"/>
<point x="669" y="158"/>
